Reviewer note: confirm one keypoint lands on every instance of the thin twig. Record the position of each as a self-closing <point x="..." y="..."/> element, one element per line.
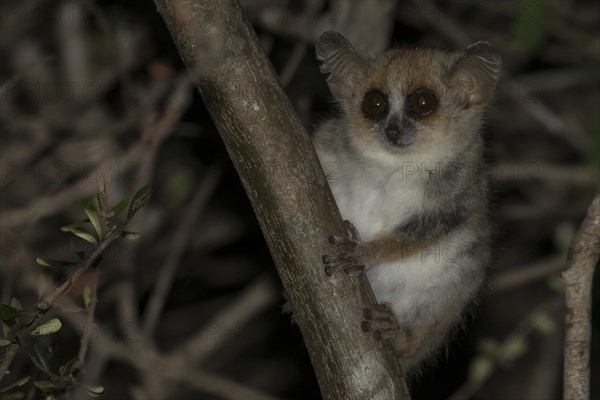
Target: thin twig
<point x="66" y="286"/>
<point x="142" y="153"/>
<point x="127" y="310"/>
<point x="91" y="310"/>
<point x="254" y="299"/>
<point x="145" y="358"/>
<point x="440" y="21"/>
<point x="550" y="174"/>
<point x="9" y="356"/>
<point x="63" y="289"/>
<point x="50" y="204"/>
<point x="213" y="384"/>
<point x="178" y="101"/>
<point x="581" y="262"/>
<point x="525" y="274"/>
<point x="288" y="72"/>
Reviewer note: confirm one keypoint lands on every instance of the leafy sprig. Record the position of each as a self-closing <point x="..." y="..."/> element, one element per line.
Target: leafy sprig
<point x="19" y="325"/>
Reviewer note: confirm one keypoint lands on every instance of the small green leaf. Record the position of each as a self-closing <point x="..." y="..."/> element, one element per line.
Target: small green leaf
<point x="84" y="235"/>
<point x="96" y="205"/>
<point x="95" y="220"/>
<point x="16" y="384"/>
<point x="51" y="326"/>
<point x="8" y="313"/>
<point x="102" y="189"/>
<point x="142" y="193"/>
<point x="139" y="200"/>
<point x="94" y="390"/>
<point x="48" y="262"/>
<point x="71" y="308"/>
<point x="48" y="385"/>
<point x="42" y="355"/>
<point x="41" y="285"/>
<point x="512" y="350"/>
<point x="480" y="369"/>
<point x="543" y="323"/>
<point x="87" y="296"/>
<point x="130" y="235"/>
<point x="70" y="368"/>
<point x="4" y="342"/>
<point x="67" y="228"/>
<point x="92" y="204"/>
<point x="118" y="208"/>
<point x="15" y="303"/>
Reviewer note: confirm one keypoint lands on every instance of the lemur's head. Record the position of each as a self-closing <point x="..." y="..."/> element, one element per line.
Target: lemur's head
<point x="410" y="102"/>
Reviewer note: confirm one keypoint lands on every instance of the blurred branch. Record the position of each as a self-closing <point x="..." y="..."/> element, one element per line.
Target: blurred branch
<point x="250" y="302"/>
<point x="49" y="204"/>
<point x="549" y="174"/>
<point x="146" y="360"/>
<point x="177" y="103"/>
<point x="281" y="174"/>
<point x="439" y="21"/>
<point x="525" y="274"/>
<point x="141" y="154"/>
<point x="293" y="63"/>
<point x="368" y="24"/>
<point x="259" y="295"/>
<point x="517" y="211"/>
<point x="581" y="262"/>
<point x="179" y="242"/>
<point x="555" y="80"/>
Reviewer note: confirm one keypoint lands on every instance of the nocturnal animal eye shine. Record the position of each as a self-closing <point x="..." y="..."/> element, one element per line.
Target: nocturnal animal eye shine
<point x="410" y="183"/>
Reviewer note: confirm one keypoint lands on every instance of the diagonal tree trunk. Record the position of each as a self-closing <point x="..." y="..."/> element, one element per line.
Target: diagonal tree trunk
<point x="281" y="174"/>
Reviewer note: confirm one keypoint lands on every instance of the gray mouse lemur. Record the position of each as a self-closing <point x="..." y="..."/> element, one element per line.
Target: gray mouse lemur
<point x="405" y="167"/>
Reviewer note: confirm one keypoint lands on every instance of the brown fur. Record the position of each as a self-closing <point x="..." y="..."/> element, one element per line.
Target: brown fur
<point x="445" y="202"/>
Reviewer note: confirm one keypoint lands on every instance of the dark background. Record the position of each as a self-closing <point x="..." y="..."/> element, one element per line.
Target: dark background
<point x="95" y="89"/>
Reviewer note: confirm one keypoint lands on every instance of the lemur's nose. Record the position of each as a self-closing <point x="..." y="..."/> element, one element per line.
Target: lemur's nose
<point x="392" y="132"/>
<point x="400" y="134"/>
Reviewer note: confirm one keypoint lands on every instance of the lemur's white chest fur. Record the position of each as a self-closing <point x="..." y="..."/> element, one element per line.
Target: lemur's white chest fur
<point x="376" y="203"/>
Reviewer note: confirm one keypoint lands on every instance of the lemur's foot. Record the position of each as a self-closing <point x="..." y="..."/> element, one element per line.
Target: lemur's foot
<point x="348" y="261"/>
<point x="380" y="321"/>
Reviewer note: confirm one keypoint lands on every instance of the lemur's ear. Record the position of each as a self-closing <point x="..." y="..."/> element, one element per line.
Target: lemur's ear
<point x="346" y="68"/>
<point x="475" y="74"/>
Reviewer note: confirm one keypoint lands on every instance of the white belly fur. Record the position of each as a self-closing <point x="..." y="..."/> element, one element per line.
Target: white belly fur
<point x="377" y="204"/>
<point x="374" y="207"/>
<point x="421" y="278"/>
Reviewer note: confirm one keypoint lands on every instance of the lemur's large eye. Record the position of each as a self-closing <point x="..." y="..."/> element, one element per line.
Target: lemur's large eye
<point x="422" y="102"/>
<point x="374" y="104"/>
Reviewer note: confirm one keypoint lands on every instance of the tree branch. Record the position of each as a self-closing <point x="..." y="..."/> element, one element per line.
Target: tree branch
<point x="281" y="174"/>
<point x="581" y="261"/>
